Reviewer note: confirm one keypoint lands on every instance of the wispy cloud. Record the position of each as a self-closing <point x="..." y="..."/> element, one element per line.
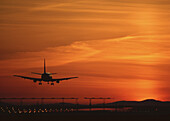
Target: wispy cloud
<point x="145" y="50"/>
<point x="108" y="43"/>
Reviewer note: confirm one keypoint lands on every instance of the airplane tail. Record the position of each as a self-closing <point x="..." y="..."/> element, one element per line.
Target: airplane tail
<point x="44" y="66"/>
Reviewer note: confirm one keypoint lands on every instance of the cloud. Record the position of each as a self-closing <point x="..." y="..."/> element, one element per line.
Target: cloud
<point x="108" y="44"/>
<point x="146" y="50"/>
<point x="55" y="23"/>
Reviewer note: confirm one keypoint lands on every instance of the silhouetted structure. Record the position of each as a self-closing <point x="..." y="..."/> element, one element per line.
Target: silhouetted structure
<point x="42" y="100"/>
<point x="90" y="101"/>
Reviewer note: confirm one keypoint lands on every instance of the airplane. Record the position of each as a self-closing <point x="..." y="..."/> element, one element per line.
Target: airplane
<point x="46" y="77"/>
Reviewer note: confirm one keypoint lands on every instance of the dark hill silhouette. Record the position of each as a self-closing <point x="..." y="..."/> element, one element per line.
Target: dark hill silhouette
<point x="147" y="102"/>
<point x="151" y="100"/>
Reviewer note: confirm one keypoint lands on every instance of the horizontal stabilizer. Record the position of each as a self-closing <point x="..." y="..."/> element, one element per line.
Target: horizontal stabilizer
<point x="60" y="79"/>
<point x="53" y="73"/>
<point x="36" y="73"/>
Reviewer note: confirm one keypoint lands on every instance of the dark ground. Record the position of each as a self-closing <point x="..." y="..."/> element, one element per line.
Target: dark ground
<point x="87" y="116"/>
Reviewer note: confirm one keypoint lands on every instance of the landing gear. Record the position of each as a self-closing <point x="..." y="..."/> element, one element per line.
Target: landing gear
<point x="52" y="83"/>
<point x="40" y="83"/>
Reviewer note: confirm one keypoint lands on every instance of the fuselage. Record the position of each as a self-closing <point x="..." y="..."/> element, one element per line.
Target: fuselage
<point x="46" y="77"/>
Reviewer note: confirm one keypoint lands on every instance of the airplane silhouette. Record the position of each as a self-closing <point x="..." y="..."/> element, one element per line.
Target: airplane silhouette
<point x="46" y="77"/>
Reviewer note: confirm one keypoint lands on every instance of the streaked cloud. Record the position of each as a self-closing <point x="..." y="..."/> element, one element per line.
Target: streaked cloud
<point x="114" y="46"/>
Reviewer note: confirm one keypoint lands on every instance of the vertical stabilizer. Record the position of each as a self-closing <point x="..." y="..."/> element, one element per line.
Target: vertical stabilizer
<point x="44" y="66"/>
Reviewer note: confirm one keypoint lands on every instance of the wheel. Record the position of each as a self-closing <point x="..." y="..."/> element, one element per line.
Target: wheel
<point x="40" y="83"/>
<point x="52" y="83"/>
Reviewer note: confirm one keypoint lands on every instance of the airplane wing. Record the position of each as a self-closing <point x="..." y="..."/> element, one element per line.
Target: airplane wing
<point x="60" y="79"/>
<point x="38" y="79"/>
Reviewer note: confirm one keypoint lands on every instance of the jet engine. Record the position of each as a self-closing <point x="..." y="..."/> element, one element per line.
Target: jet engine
<point x="58" y="81"/>
<point x="34" y="81"/>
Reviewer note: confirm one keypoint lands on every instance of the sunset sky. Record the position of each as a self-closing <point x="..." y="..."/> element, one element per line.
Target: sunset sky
<point x="117" y="48"/>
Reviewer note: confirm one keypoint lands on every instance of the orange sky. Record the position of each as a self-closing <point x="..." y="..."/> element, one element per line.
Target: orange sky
<point x="118" y="49"/>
